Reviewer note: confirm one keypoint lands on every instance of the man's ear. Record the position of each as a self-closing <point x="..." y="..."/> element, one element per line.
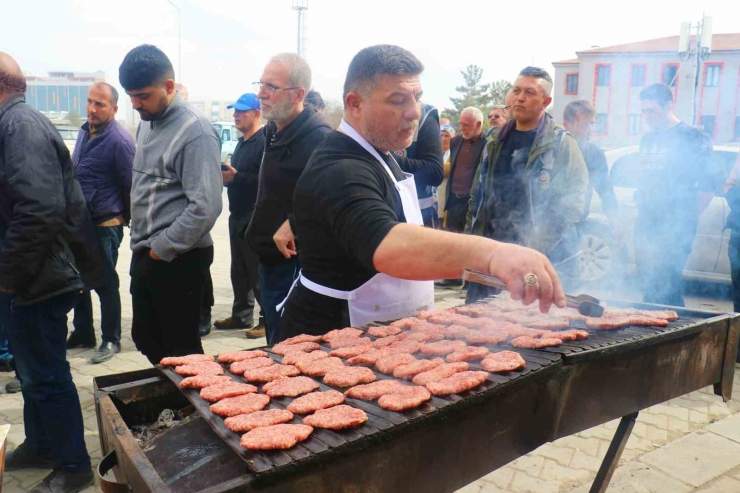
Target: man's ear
<point x="169" y="86"/>
<point x="352" y="103"/>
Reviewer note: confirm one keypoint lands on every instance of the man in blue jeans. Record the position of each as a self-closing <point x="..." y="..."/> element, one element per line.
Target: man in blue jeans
<point x="103" y="159"/>
<point x="48" y="253"/>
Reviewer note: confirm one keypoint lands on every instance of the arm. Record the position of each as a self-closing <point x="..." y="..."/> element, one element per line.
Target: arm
<point x="599" y="175"/>
<point x="476" y="190"/>
<point x="124" y="166"/>
<point x="35" y="185"/>
<point x="572" y="180"/>
<point x="443" y="255"/>
<point x="427" y="166"/>
<point x="199" y="172"/>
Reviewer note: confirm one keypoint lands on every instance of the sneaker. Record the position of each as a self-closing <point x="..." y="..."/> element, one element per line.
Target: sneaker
<point x="230" y="323"/>
<point x="75" y="340"/>
<point x="256" y="332"/>
<point x="25" y="458"/>
<point x="204" y="328"/>
<point x="13" y="387"/>
<point x="62" y="481"/>
<point x="105" y="352"/>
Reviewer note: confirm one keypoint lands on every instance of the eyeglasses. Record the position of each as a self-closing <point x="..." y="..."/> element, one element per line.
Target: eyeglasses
<point x="270" y="89"/>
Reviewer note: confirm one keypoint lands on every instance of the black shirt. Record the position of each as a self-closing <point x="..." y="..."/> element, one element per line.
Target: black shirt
<point x="242" y="191"/>
<point x="511" y="212"/>
<point x="598" y="179"/>
<point x="675" y="168"/>
<point x="345" y="204"/>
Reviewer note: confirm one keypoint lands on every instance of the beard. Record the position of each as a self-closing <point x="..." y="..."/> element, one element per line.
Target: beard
<point x="385" y="140"/>
<point x="278" y="112"/>
<point x="148" y="116"/>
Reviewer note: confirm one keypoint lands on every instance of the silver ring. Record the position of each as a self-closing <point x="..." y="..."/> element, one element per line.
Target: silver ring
<point x="531" y="279"/>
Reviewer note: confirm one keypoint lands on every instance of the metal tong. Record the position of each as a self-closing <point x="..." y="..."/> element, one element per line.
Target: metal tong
<point x="585" y="304"/>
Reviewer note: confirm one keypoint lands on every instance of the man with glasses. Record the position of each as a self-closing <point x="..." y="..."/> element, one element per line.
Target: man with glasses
<point x="496" y="118"/>
<point x="292" y="134"/>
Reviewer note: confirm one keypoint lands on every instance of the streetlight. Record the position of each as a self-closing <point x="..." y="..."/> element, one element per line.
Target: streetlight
<point x="700" y="48"/>
<point x="179" y="44"/>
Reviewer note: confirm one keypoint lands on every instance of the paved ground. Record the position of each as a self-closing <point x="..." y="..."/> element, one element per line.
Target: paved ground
<point x="689" y="444"/>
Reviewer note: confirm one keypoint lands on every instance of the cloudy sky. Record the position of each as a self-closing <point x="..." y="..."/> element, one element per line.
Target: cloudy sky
<point x="226" y="43"/>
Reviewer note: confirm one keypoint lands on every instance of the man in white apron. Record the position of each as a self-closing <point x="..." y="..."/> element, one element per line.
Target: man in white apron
<point x="365" y="255"/>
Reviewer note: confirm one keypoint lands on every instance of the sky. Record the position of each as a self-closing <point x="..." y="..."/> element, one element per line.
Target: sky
<point x="225" y="44"/>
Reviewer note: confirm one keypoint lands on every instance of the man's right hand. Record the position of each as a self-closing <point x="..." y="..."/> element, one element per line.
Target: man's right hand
<point x="512" y="263"/>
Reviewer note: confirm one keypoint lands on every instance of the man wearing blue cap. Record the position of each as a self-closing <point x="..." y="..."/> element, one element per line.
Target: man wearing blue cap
<point x="240" y="179"/>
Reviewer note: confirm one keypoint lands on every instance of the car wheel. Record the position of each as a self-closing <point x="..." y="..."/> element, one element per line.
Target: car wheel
<point x="600" y="258"/>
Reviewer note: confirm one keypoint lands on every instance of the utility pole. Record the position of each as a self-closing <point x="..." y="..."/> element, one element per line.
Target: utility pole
<point x="700" y="48"/>
<point x="179" y="43"/>
<point x="301" y="6"/>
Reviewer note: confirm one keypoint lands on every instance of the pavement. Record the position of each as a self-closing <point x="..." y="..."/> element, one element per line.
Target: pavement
<point x="688" y="444"/>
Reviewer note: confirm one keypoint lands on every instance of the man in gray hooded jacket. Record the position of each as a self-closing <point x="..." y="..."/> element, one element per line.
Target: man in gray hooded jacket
<point x="175" y="201"/>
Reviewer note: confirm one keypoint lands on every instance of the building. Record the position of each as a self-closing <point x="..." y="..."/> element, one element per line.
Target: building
<point x="61" y="92"/>
<point x="214" y="110"/>
<point x="611" y="79"/>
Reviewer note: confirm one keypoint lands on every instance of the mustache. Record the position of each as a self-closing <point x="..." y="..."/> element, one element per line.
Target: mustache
<point x="412" y="125"/>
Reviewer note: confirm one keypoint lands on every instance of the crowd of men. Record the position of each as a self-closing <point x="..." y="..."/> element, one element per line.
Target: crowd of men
<point x="301" y="196"/>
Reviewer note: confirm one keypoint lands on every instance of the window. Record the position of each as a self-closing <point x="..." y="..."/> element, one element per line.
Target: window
<point x="571" y="84"/>
<point x="711" y="78"/>
<point x="707" y="123"/>
<point x="225" y="135"/>
<point x="635" y="123"/>
<point x="638" y="75"/>
<point x="603" y="75"/>
<point x="601" y="122"/>
<point x="670" y="73"/>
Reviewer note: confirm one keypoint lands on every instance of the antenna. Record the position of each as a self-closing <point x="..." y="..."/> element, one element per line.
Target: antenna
<point x="301" y="6"/>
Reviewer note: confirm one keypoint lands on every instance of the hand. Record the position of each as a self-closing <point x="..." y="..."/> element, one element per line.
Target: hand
<point x="285" y="240"/>
<point x="154" y="256"/>
<point x="228" y="175"/>
<point x="511" y="263"/>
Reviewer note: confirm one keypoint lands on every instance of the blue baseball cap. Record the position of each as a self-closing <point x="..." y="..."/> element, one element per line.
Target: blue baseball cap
<point x="246" y="102"/>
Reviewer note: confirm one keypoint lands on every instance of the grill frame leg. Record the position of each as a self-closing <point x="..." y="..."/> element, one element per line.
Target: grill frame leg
<point x="611" y="459"/>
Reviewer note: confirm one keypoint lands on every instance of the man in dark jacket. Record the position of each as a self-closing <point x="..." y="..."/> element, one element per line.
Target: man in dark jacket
<point x="47" y="248"/>
<point x="102" y="159"/>
<point x="240" y="179"/>
<point x="423" y="159"/>
<point x="291" y="136"/>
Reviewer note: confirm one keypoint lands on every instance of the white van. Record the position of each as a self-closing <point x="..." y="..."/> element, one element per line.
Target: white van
<point x="229" y="138"/>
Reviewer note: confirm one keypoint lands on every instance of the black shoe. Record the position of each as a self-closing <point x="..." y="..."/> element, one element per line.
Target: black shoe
<point x="25" y="458"/>
<point x="13" y="387"/>
<point x="204" y="328"/>
<point x="61" y="481"/>
<point x="105" y="352"/>
<point x="449" y="283"/>
<point x="75" y="340"/>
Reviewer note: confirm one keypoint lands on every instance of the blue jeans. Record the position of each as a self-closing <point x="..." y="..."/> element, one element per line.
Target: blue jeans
<point x="51" y="407"/>
<point x="5" y="355"/>
<point x="110" y="238"/>
<point x="275" y="282"/>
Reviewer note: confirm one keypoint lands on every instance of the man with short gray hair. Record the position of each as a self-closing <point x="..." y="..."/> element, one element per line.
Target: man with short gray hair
<point x="366" y="256"/>
<point x="530" y="189"/>
<point x="465" y="154"/>
<point x="292" y="134"/>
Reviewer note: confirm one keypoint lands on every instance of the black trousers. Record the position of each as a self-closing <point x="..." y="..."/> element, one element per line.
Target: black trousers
<point x="244" y="275"/>
<point x="457" y="211"/>
<point x="167" y="303"/>
<point x="734" y="253"/>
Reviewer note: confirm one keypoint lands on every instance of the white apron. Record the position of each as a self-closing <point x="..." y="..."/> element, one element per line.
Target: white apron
<point x="383" y="297"/>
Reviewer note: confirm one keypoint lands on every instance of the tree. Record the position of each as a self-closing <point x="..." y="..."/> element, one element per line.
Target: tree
<point x="74" y="118"/>
<point x="333" y="113"/>
<point x="498" y="92"/>
<point x="473" y="93"/>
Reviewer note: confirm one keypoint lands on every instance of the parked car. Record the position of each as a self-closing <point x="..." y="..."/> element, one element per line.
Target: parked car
<point x="229" y="138"/>
<point x="602" y="257"/>
<point x="69" y="136"/>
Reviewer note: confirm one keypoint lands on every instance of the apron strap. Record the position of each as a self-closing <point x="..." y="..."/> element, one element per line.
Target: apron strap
<point x="332" y="293"/>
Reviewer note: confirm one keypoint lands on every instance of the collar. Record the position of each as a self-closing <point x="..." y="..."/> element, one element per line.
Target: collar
<point x="11" y="100"/>
<point x="100" y="130"/>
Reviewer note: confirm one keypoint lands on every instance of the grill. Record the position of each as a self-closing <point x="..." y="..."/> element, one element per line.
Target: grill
<point x="561" y="391"/>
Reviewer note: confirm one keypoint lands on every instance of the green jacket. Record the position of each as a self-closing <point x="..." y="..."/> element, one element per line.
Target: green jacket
<point x="557" y="179"/>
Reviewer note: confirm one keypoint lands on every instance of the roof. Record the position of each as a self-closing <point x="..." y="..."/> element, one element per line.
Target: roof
<point x="572" y="61"/>
<point x="720" y="42"/>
